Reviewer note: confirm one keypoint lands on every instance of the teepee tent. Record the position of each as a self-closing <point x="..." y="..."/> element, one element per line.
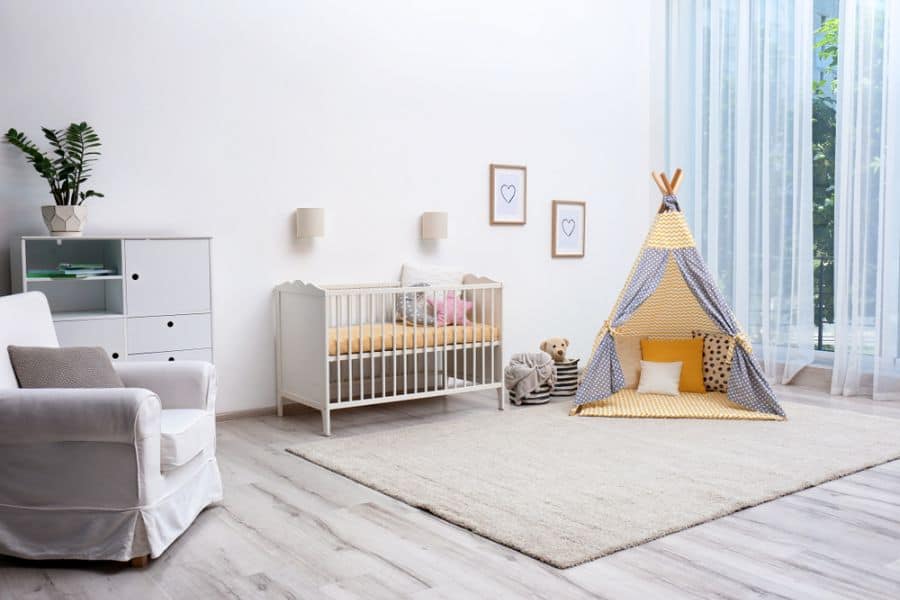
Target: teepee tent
<point x="671" y="294"/>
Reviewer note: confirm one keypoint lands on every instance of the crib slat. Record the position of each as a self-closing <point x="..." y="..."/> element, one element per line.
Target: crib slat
<point x="415" y="346"/>
<point x="403" y="355"/>
<point x="434" y="348"/>
<point x="337" y="343"/>
<point x="465" y="360"/>
<point x="362" y="363"/>
<point x="349" y="351"/>
<point x="493" y="342"/>
<point x="456" y="373"/>
<point x="425" y="341"/>
<point x="383" y="339"/>
<point x="396" y="343"/>
<point x="483" y="347"/>
<point x="444" y="358"/>
<point x="372" y="345"/>
<point x="327" y="366"/>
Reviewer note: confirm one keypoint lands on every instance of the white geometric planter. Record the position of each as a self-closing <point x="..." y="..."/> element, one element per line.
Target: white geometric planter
<point x="64" y="221"/>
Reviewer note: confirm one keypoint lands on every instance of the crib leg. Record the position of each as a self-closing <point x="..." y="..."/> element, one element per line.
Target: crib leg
<point x="326" y="422"/>
<point x="501" y="398"/>
<point x="280" y="405"/>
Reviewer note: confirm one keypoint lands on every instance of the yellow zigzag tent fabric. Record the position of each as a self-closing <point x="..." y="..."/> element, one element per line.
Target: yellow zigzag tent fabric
<point x="670" y="293"/>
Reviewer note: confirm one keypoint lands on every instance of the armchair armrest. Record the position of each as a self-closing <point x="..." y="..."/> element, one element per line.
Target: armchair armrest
<point x="183" y="384"/>
<point x="34" y="416"/>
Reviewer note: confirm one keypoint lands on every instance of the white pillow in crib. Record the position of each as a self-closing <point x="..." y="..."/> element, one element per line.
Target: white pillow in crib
<point x="430" y="274"/>
<point x="659" y="378"/>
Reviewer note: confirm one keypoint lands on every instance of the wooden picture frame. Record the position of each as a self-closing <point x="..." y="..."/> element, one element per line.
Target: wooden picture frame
<point x="509" y="194"/>
<point x="568" y="227"/>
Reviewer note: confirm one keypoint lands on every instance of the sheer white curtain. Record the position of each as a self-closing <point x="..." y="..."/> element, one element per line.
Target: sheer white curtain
<point x="867" y="201"/>
<point x="739" y="121"/>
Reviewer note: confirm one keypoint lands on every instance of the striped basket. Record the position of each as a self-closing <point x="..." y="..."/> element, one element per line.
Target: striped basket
<point x="538" y="396"/>
<point x="566" y="379"/>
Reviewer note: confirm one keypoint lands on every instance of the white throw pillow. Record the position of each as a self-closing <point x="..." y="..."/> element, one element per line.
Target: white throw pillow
<point x="430" y="274"/>
<point x="659" y="378"/>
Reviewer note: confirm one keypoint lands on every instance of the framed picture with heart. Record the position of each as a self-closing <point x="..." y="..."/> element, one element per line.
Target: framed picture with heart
<point x="568" y="228"/>
<point x="508" y="194"/>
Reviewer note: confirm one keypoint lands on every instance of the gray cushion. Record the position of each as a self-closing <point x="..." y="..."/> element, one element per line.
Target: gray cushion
<point x="76" y="367"/>
<point x="414" y="307"/>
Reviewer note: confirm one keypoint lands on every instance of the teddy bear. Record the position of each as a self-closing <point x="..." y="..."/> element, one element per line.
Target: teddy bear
<point x="556" y="347"/>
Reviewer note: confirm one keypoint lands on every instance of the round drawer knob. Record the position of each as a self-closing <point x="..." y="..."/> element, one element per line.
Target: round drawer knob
<point x="171" y="359"/>
<point x="115" y="355"/>
<point x="170" y="324"/>
<point x="135" y="276"/>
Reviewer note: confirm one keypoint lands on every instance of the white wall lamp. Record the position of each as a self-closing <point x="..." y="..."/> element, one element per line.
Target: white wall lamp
<point x="310" y="223"/>
<point x="434" y="226"/>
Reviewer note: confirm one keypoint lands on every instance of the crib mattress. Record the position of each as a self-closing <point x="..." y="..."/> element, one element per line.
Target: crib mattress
<point x="389" y="336"/>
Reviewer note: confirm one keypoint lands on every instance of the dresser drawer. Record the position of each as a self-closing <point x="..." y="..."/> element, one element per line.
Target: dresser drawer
<point x="175" y="355"/>
<point x="109" y="334"/>
<point x="173" y="332"/>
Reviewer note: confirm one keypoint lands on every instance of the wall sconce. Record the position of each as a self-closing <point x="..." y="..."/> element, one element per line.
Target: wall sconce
<point x="310" y="222"/>
<point x="434" y="226"/>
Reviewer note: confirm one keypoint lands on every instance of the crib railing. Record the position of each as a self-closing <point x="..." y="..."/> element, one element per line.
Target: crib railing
<point x="393" y="342"/>
<point x="342" y="346"/>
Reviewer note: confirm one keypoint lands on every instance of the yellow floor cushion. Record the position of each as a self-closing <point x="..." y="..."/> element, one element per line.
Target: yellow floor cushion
<point x="629" y="404"/>
<point x="687" y="351"/>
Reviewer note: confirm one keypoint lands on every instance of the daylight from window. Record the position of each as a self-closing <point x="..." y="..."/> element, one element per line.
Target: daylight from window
<point x="824" y="132"/>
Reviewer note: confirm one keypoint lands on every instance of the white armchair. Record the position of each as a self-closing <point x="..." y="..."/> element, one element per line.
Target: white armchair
<point x="101" y="474"/>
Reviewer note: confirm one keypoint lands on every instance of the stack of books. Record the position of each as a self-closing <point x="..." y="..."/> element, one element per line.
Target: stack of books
<point x="71" y="271"/>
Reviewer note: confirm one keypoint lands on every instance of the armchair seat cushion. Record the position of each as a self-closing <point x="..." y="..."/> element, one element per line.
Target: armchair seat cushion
<point x="184" y="433"/>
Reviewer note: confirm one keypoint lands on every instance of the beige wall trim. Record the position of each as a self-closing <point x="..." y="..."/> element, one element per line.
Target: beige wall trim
<point x="245" y="414"/>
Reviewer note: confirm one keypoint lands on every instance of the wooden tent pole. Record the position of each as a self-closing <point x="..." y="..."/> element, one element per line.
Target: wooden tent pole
<point x="676" y="180"/>
<point x="668" y="185"/>
<point x="659" y="183"/>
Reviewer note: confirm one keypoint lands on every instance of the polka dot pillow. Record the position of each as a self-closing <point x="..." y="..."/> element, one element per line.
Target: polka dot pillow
<point x="718" y="349"/>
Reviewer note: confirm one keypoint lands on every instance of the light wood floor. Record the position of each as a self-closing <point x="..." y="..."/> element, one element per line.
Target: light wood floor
<point x="289" y="529"/>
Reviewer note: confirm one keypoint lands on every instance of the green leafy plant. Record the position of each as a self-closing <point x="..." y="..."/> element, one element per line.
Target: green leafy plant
<point x="75" y="149"/>
<point x="824" y="135"/>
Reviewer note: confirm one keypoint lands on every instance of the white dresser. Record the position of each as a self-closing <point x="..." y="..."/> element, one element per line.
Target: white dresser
<point x="155" y="306"/>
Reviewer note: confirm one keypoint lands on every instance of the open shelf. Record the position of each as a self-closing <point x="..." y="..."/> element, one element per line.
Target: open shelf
<point x="85" y="315"/>
<point x="76" y="298"/>
<point x="89" y="278"/>
<point x="101" y="295"/>
<point x="46" y="254"/>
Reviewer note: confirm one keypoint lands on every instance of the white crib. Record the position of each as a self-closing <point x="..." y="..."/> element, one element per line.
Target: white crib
<point x="342" y="346"/>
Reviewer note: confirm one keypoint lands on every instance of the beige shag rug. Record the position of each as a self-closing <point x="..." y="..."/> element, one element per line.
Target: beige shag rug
<point x="566" y="490"/>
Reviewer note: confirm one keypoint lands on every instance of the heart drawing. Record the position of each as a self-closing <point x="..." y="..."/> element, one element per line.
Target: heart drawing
<point x="508" y="192"/>
<point x="568" y="227"/>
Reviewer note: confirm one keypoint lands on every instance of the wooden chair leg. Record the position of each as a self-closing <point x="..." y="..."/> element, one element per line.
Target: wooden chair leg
<point x="139" y="562"/>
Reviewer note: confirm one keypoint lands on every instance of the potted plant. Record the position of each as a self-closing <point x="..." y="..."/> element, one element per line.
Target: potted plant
<point x="75" y="149"/>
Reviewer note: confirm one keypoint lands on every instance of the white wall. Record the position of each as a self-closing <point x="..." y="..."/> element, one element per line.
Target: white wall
<point x="220" y="118"/>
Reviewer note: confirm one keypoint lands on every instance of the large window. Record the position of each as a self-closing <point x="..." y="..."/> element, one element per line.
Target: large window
<point x="824" y="132"/>
<point x="792" y="170"/>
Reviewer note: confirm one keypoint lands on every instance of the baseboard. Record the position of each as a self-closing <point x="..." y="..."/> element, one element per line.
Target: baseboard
<point x="290" y="408"/>
<point x="244" y="414"/>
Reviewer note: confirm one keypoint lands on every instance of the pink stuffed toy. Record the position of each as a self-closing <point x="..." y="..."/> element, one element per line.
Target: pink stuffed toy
<point x="450" y="310"/>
